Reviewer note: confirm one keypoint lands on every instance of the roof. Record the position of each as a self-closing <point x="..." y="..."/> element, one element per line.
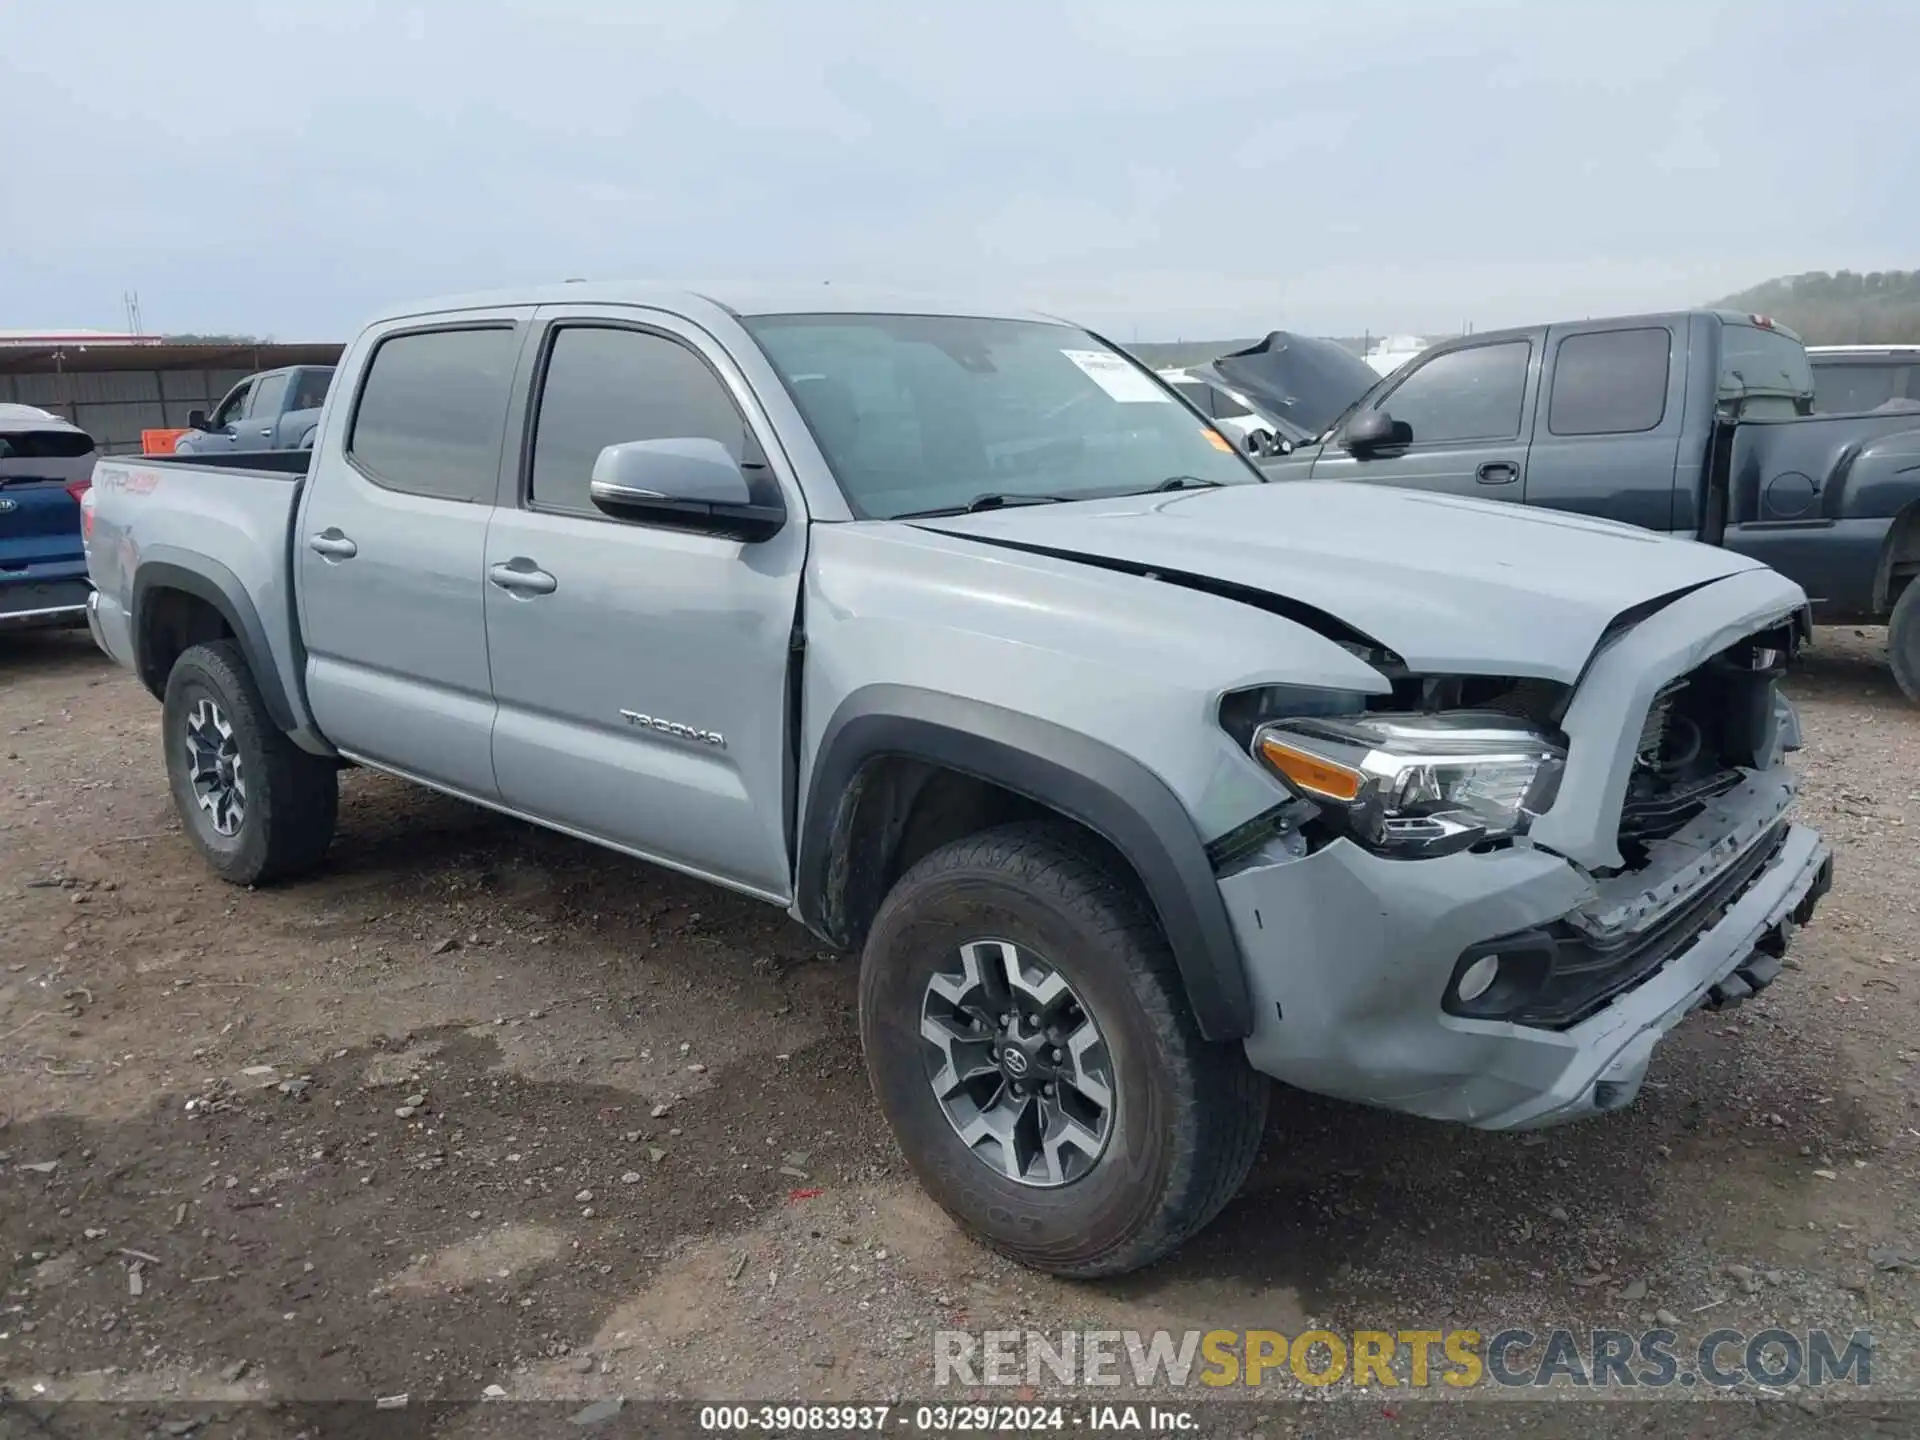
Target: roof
<point x="31" y="417"/>
<point x="1658" y="317"/>
<point x="739" y="299"/>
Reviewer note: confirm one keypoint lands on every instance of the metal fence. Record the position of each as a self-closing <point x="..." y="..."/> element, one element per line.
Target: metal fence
<point x="116" y="392"/>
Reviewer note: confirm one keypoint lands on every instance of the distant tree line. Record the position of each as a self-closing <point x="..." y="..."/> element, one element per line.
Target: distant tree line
<point x="1880" y="307"/>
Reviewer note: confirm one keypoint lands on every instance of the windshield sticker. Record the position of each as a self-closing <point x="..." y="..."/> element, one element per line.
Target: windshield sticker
<point x="1124" y="382"/>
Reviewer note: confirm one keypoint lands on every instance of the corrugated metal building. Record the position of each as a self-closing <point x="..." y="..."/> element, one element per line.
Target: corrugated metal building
<point x="116" y="387"/>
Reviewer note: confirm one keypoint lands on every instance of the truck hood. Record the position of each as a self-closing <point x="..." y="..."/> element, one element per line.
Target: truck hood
<point x="1451" y="586"/>
<point x="1307" y="381"/>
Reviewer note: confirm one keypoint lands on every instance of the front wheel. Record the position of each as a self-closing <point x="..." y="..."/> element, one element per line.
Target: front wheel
<point x="256" y="805"/>
<point x="1903" y="639"/>
<point x="1029" y="1042"/>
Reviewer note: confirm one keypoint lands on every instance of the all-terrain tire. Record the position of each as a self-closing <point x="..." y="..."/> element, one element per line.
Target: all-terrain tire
<point x="291" y="797"/>
<point x="1189" y="1112"/>
<point x="1903" y="640"/>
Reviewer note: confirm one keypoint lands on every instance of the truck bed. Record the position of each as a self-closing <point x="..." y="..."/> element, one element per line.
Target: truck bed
<point x="1814" y="496"/>
<point x="222" y="522"/>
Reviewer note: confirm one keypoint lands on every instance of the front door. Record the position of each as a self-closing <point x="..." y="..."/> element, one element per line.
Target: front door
<point x="223" y="426"/>
<point x="1470" y="411"/>
<point x="390" y="542"/>
<point x="641" y="671"/>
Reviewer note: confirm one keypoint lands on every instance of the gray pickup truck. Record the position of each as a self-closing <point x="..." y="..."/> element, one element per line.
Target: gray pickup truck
<point x="274" y="410"/>
<point x="1135" y="779"/>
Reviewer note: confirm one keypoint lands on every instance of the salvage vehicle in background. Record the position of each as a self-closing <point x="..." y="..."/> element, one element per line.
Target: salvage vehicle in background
<point x="955" y="633"/>
<point x="1852" y="379"/>
<point x="1696" y="424"/>
<point x="1277" y="395"/>
<point x="274" y="410"/>
<point x="46" y="465"/>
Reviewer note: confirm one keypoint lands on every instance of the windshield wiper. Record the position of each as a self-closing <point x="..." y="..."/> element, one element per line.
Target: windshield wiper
<point x="991" y="501"/>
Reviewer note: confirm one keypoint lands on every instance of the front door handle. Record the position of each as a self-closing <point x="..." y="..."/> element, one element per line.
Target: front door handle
<point x="521" y="577"/>
<point x="333" y="545"/>
<point x="266" y="430"/>
<point x="1497" y="472"/>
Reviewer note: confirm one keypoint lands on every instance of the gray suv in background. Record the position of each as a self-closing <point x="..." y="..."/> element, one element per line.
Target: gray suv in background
<point x="274" y="410"/>
<point x="954" y="632"/>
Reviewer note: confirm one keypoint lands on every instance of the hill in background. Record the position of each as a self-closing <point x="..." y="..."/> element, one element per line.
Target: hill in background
<point x="1881" y="307"/>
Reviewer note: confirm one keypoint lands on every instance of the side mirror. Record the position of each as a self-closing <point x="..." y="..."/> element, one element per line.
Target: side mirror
<point x="1372" y="431"/>
<point x="692" y="484"/>
<point x="196" y="419"/>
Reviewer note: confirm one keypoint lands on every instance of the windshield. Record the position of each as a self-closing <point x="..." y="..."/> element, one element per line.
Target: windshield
<point x="929" y="412"/>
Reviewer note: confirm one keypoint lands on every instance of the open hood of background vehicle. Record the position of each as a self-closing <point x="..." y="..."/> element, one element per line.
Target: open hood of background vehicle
<point x="1307" y="381"/>
<point x="1453" y="586"/>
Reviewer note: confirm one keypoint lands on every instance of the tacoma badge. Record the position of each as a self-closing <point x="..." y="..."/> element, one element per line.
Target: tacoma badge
<point x="675" y="728"/>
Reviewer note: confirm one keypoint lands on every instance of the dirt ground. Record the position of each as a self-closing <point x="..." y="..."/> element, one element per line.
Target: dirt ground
<point x="483" y="1106"/>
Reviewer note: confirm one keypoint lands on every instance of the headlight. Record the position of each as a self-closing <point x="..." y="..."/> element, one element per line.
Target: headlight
<point x="1418" y="784"/>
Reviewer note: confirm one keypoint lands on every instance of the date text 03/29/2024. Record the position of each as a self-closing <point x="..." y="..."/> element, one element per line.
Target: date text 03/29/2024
<point x="944" y="1419"/>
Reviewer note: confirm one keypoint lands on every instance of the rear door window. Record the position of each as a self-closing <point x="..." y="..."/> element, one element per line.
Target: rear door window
<point x="1610" y="382"/>
<point x="267" y="392"/>
<point x="1470" y="394"/>
<point x="432" y="409"/>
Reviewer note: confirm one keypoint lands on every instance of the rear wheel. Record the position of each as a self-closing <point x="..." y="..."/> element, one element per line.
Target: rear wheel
<point x="1029" y="1042"/>
<point x="1903" y="639"/>
<point x="256" y="805"/>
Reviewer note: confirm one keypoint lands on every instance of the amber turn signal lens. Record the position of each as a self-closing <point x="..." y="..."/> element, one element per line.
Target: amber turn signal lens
<point x="1310" y="773"/>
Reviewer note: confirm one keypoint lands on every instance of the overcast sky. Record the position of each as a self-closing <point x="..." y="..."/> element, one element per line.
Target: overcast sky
<point x="1199" y="169"/>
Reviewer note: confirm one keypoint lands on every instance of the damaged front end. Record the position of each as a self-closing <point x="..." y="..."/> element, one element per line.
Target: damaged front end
<point x="1628" y="856"/>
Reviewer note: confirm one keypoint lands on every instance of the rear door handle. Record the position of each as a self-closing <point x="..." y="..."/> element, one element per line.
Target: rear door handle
<point x="333" y="545"/>
<point x="268" y="430"/>
<point x="520" y="576"/>
<point x="1497" y="472"/>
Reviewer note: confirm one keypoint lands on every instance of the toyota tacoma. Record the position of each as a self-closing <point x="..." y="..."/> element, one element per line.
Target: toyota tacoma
<point x="1134" y="779"/>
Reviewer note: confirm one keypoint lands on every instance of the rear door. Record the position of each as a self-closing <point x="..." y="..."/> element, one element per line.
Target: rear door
<point x="1470" y="409"/>
<point x="390" y="543"/>
<point x="1607" y="440"/>
<point x="640" y="670"/>
<point x="256" y="428"/>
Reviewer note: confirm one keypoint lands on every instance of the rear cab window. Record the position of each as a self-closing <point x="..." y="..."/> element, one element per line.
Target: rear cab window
<point x="432" y="409"/>
<point x="1760" y="361"/>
